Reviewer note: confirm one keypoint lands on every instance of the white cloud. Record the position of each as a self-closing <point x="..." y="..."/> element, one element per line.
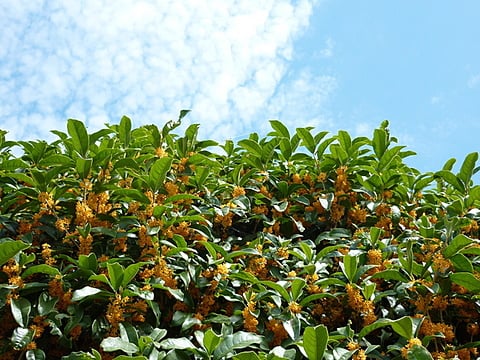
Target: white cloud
<point x="301" y="100"/>
<point x="327" y="51"/>
<point x="473" y="81"/>
<point x="97" y="60"/>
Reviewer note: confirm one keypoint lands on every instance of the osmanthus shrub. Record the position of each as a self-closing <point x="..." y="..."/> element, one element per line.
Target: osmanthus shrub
<point x="142" y="243"/>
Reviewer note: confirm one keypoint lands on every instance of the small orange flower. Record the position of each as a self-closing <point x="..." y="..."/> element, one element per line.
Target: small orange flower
<point x="238" y="191"/>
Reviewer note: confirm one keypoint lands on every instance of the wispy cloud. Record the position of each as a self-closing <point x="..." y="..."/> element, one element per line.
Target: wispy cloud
<point x="98" y="60"/>
<point x="473" y="81"/>
<point x="327" y="51"/>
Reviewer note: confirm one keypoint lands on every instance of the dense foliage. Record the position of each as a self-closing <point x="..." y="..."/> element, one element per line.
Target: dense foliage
<point x="145" y="244"/>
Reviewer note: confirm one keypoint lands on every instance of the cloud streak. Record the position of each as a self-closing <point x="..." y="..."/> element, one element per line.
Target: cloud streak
<point x="229" y="61"/>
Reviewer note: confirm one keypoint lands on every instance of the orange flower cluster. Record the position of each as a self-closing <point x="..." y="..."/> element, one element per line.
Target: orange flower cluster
<point x="55" y="289"/>
<point x="47" y="254"/>
<point x="12" y="269"/>
<point x="364" y="308"/>
<point x="115" y="312"/>
<point x="429" y="328"/>
<point x="238" y="191"/>
<point x="258" y="266"/>
<point x="250" y="322"/>
<point x="411" y="343"/>
<point x="278" y="331"/>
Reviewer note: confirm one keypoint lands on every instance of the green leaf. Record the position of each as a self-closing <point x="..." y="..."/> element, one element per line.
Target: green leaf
<point x="280" y="129"/>
<point x="252" y="147"/>
<point x="388" y="158"/>
<point x="130" y="272"/>
<point x="46" y="304"/>
<point x="179" y="344"/>
<point x="403" y="326"/>
<point x="88" y="262"/>
<point x="158" y="172"/>
<point x="81" y="355"/>
<point x="349" y="266"/>
<point x="246" y="355"/>
<point x="128" y="332"/>
<point x="124" y="130"/>
<point x="315" y="341"/>
<point x="42" y="269"/>
<point x="211" y="340"/>
<point x="85" y="292"/>
<point x="13" y="164"/>
<point x="21" y="311"/>
<point x="115" y="274"/>
<point x="238" y="340"/>
<point x="296" y="288"/>
<point x="293" y="327"/>
<point x="461" y="263"/>
<point x="278" y="288"/>
<point x="83" y="167"/>
<point x="390" y="274"/>
<point x="458" y="243"/>
<point x="467" y="280"/>
<point x="132" y="194"/>
<point x="110" y="344"/>
<point x="450" y="178"/>
<point x="56" y="159"/>
<point x="9" y="249"/>
<point x="80" y="140"/>
<point x="380" y="142"/>
<point x="449" y="164"/>
<point x="307" y="139"/>
<point x="344" y="140"/>
<point x="467" y="168"/>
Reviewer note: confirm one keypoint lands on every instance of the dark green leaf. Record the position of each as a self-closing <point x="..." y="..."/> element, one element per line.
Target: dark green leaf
<point x="42" y="269"/>
<point x="21" y="311"/>
<point x="46" y="304"/>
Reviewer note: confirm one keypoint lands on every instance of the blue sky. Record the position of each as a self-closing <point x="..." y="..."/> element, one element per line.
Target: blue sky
<point x="332" y="64"/>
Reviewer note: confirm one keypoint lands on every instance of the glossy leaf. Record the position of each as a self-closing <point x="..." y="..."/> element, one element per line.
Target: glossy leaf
<point x="403" y="326"/>
<point x="9" y="249"/>
<point x="315" y="341"/>
<point x="111" y="344"/>
<point x="21" y="309"/>
<point x="467" y="280"/>
<point x="237" y="340"/>
<point x="78" y="133"/>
